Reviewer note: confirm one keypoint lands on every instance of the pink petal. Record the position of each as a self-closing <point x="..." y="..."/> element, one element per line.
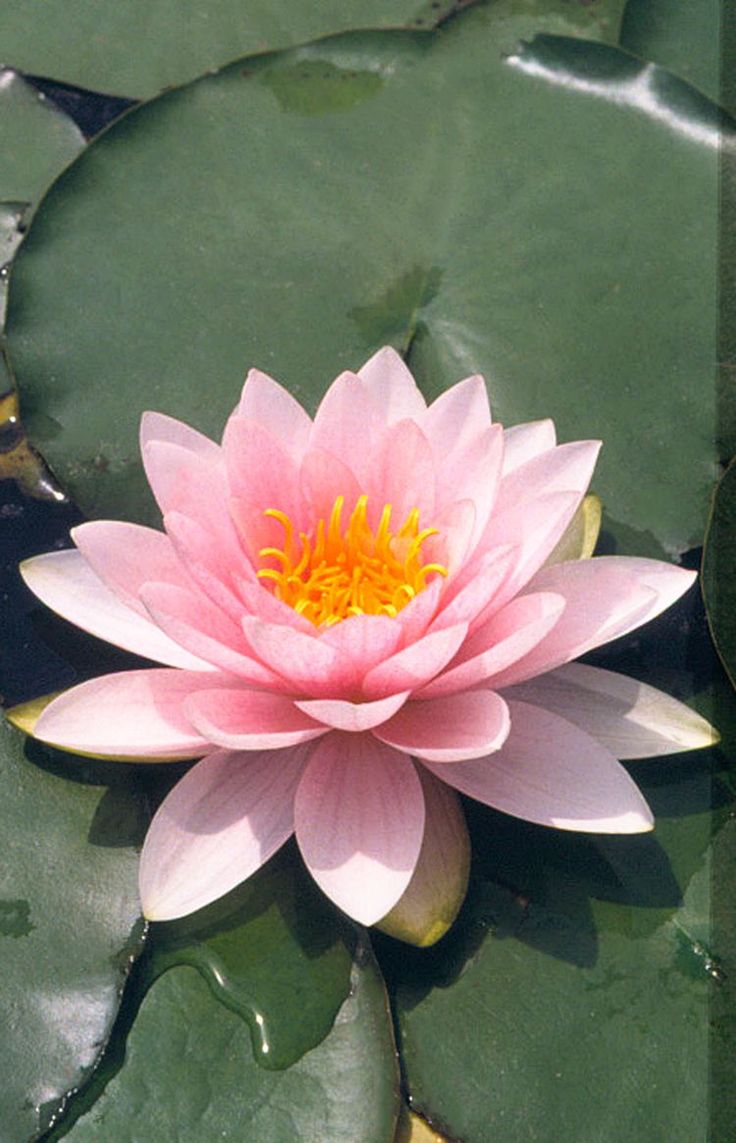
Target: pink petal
<point x="362" y="641"/>
<point x="184" y="480"/>
<point x="65" y="582"/>
<point x="416" y="664"/>
<point x="392" y="386"/>
<point x="267" y="402"/>
<point x="455" y="524"/>
<point x="631" y="719"/>
<point x="347" y="423"/>
<point x="258" y="601"/>
<point x="352" y="716"/>
<point x="457" y="417"/>
<point x="468" y="604"/>
<point x="159" y="427"/>
<point x="323" y="479"/>
<point x="306" y="663"/>
<point x="213" y="564"/>
<point x="133" y="714"/>
<point x="243" y="719"/>
<point x="451" y="729"/>
<point x="203" y="629"/>
<point x="125" y="556"/>
<point x="605" y="597"/>
<point x="359" y="817"/>
<point x="474" y="474"/>
<point x="524" y="442"/>
<point x="402" y="475"/>
<point x="548" y="771"/>
<point x="219" y="824"/>
<point x="508" y="636"/>
<point x="533" y="529"/>
<point x="567" y="468"/>
<point x="416" y="617"/>
<point x="261" y="469"/>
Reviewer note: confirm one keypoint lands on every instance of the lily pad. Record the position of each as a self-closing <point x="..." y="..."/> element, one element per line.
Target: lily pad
<point x="208" y="1086"/>
<point x="719" y="561"/>
<point x="686" y="38"/>
<point x="588" y="987"/>
<point x="36" y="140"/>
<point x="68" y="924"/>
<point x="139" y="47"/>
<point x="242" y="221"/>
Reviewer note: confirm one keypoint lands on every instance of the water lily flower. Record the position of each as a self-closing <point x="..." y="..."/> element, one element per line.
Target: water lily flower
<point x="355" y="617"/>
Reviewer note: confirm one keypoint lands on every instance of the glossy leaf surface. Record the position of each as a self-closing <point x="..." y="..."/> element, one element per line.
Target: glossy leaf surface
<point x="138" y="47"/>
<point x="68" y="924"/>
<point x="347" y="1088"/>
<point x="682" y="37"/>
<point x="531" y="237"/>
<point x="36" y="140"/>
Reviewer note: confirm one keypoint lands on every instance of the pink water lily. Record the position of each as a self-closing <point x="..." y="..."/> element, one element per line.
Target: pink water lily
<point x="348" y="611"/>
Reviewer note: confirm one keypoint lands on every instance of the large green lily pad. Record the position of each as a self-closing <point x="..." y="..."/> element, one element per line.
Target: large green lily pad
<point x="68" y="914"/>
<point x="207" y="1085"/>
<point x="682" y="37"/>
<point x="138" y="47"/>
<point x="36" y="140"/>
<point x="544" y="228"/>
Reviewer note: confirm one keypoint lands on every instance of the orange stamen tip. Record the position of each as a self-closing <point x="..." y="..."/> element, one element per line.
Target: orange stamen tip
<point x="336" y="572"/>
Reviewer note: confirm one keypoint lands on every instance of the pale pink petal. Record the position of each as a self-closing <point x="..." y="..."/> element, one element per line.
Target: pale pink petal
<point x="474" y="474"/>
<point x="259" y="601"/>
<point x="468" y="604"/>
<point x="605" y="597"/>
<point x="213" y="564"/>
<point x="267" y="402"/>
<point x="133" y="714"/>
<point x="632" y="719"/>
<point x="182" y="480"/>
<point x="361" y="642"/>
<point x="159" y="427"/>
<point x="548" y="771"/>
<point x="352" y="716"/>
<point x="533" y="530"/>
<point x="324" y="478"/>
<point x="205" y="630"/>
<point x="261" y="469"/>
<point x="457" y="416"/>
<point x="566" y="468"/>
<point x="451" y="729"/>
<point x="524" y="442"/>
<point x="242" y="719"/>
<point x="347" y="423"/>
<point x="125" y="556"/>
<point x="304" y="662"/>
<point x="455" y="524"/>
<point x="65" y="582"/>
<point x="219" y="824"/>
<point x="402" y="475"/>
<point x="504" y="639"/>
<point x="392" y="386"/>
<point x="416" y="664"/>
<point x="416" y="617"/>
<point x="359" y="817"/>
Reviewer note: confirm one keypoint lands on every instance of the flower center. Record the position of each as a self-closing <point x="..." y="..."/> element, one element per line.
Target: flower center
<point x="342" y="571"/>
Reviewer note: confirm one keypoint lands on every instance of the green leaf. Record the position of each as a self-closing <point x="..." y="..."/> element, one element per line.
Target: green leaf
<point x="36" y="139"/>
<point x="274" y="951"/>
<point x="207" y="1084"/>
<point x="68" y="908"/>
<point x="139" y="47"/>
<point x="245" y="220"/>
<point x="685" y="38"/>
<point x="588" y="987"/>
<point x="719" y="570"/>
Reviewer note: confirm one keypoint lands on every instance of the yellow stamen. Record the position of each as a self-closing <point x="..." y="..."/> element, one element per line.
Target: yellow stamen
<point x="338" y="572"/>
